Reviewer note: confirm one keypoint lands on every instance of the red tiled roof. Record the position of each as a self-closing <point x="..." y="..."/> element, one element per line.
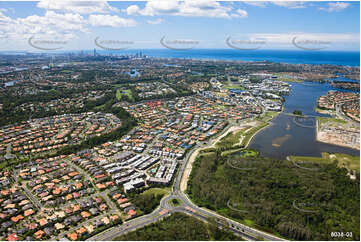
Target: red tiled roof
<point x="132" y="213"/>
<point x="12" y="237"/>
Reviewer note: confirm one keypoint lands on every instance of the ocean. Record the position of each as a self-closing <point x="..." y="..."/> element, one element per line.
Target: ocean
<point x="344" y="58"/>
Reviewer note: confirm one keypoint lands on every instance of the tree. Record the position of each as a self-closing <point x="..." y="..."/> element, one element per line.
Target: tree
<point x="297" y="112"/>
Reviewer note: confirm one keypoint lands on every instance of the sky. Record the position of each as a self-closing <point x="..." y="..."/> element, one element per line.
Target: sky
<point x="49" y="25"/>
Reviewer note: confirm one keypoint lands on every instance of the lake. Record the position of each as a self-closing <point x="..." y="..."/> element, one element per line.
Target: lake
<point x="287" y="136"/>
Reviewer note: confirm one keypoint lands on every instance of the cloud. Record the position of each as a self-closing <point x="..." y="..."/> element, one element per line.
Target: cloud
<point x="4" y="20"/>
<point x="157" y="21"/>
<point x="240" y="13"/>
<point x="52" y="25"/>
<point x="286" y="38"/>
<point x="335" y="7"/>
<point x="286" y="4"/>
<point x="55" y="25"/>
<point x="111" y="21"/>
<point x="82" y="7"/>
<point x="290" y="4"/>
<point x="310" y="41"/>
<point x="187" y="8"/>
<point x="133" y="10"/>
<point x="256" y="3"/>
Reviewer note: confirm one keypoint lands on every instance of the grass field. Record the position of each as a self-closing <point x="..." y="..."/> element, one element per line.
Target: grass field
<point x="127" y="92"/>
<point x="157" y="191"/>
<point x="99" y="107"/>
<point x="319" y="110"/>
<point x="348" y="161"/>
<point x="234" y="86"/>
<point x="175" y="202"/>
<point x="247" y="153"/>
<point x="248" y="222"/>
<point x="242" y="137"/>
<point x="230" y="139"/>
<point x="287" y="79"/>
<point x="323" y="120"/>
<point x="282" y="77"/>
<point x="268" y="116"/>
<point x="230" y="151"/>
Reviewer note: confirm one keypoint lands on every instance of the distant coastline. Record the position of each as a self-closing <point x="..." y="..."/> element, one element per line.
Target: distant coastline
<point x="343" y="58"/>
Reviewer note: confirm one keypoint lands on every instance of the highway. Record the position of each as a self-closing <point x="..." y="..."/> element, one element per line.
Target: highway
<point x="186" y="206"/>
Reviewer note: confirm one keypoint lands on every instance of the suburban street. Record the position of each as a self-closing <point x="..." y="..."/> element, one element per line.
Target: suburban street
<point x="341" y="114"/>
<point x="32" y="198"/>
<point x="186" y="206"/>
<point x="179" y="120"/>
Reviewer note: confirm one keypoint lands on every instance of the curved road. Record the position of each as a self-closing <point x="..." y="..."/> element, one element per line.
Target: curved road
<point x="186" y="206"/>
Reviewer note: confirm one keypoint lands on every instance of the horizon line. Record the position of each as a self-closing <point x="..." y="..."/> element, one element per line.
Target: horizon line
<point x="175" y="50"/>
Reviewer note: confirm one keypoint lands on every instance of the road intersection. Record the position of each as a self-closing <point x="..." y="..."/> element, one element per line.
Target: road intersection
<point x="186" y="206"/>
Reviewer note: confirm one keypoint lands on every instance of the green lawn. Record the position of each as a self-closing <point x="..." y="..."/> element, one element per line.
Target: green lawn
<point x="248" y="222"/>
<point x="286" y="79"/>
<point x="248" y="153"/>
<point x="234" y="86"/>
<point x="230" y="151"/>
<point x="272" y="114"/>
<point x="347" y="161"/>
<point x="320" y="110"/>
<point x="230" y="139"/>
<point x="323" y="120"/>
<point x="268" y="116"/>
<point x="157" y="191"/>
<point x="127" y="92"/>
<point x="100" y="107"/>
<point x="175" y="202"/>
<point x="282" y="77"/>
